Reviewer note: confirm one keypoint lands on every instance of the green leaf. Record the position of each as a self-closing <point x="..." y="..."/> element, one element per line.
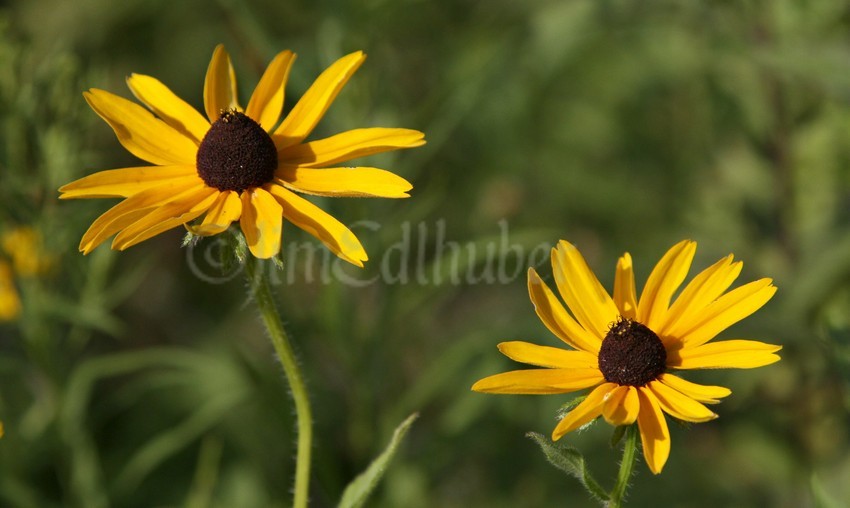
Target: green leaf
<point x="358" y="490"/>
<point x="571" y="461"/>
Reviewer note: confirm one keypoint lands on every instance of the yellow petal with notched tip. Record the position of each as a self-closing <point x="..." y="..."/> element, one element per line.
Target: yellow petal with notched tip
<point x="344" y="182"/>
<point x="556" y="318"/>
<point x="220" y="85"/>
<point x="654" y="433"/>
<point x="312" y="219"/>
<point x="176" y="212"/>
<point x="539" y="381"/>
<point x="545" y="356"/>
<point x="706" y="394"/>
<point x="727" y="354"/>
<point x="586" y="411"/>
<point x="226" y="209"/>
<point x="581" y="290"/>
<point x="622" y="406"/>
<point x="663" y="281"/>
<point x="261" y="222"/>
<point x="142" y="134"/>
<point x="267" y="100"/>
<point x="679" y="405"/>
<point x="169" y="107"/>
<point x="349" y="145"/>
<point x="124" y="182"/>
<point x="307" y="112"/>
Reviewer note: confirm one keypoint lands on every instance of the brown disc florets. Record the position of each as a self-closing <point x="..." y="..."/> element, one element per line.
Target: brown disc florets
<point x="236" y="154"/>
<point x="631" y="354"/>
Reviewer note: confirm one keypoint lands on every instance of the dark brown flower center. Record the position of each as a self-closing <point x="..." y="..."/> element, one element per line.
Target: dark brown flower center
<point x="236" y="154"/>
<point x="631" y="354"/>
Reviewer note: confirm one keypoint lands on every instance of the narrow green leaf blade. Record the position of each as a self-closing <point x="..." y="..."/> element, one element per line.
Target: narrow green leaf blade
<point x="361" y="487"/>
<point x="571" y="461"/>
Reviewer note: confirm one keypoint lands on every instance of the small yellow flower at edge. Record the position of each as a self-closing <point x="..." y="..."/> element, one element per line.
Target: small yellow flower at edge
<point x="236" y="164"/>
<point x="625" y="347"/>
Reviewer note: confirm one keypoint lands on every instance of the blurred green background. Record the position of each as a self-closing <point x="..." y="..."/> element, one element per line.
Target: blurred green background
<point x="621" y="126"/>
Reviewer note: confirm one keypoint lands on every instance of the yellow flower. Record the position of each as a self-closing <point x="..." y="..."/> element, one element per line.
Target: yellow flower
<point x="627" y="346"/>
<point x="236" y="164"/>
<point x="10" y="303"/>
<point x="23" y="245"/>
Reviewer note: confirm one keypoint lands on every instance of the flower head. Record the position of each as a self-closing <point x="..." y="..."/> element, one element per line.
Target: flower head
<point x="625" y="347"/>
<point x="21" y="255"/>
<point x="236" y="164"/>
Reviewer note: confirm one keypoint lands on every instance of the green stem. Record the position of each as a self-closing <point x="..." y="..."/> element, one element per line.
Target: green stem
<point x="261" y="290"/>
<point x="626" y="466"/>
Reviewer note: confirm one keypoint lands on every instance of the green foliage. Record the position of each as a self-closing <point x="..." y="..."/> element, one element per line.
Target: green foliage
<point x="618" y="125"/>
<point x="359" y="490"/>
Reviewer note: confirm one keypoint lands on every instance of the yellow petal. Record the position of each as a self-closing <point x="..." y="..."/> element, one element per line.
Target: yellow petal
<point x="312" y="219"/>
<point x="169" y="107"/>
<point x="132" y="209"/>
<point x="726" y="311"/>
<point x="727" y="354"/>
<point x="267" y="100"/>
<point x="556" y="318"/>
<point x="586" y="411"/>
<point x="704" y="289"/>
<point x="177" y="211"/>
<point x="219" y="85"/>
<point x="624" y="287"/>
<point x="544" y="356"/>
<point x="318" y="98"/>
<point x="654" y="434"/>
<point x="665" y="278"/>
<point x="349" y="145"/>
<point x="581" y="290"/>
<point x="622" y="406"/>
<point x="344" y="182"/>
<point x="261" y="222"/>
<point x="226" y="209"/>
<point x="122" y="183"/>
<point x="679" y="405"/>
<point x="142" y="134"/>
<point x="539" y="381"/>
<point x="703" y="393"/>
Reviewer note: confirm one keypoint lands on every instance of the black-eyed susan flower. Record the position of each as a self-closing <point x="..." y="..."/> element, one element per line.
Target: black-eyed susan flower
<point x="236" y="164"/>
<point x="626" y="348"/>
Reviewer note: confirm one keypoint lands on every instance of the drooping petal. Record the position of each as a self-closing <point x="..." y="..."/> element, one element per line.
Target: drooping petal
<point x="261" y="222"/>
<point x="654" y="434"/>
<point x="624" y="287"/>
<point x="539" y="381"/>
<point x="312" y="219"/>
<point x="706" y="394"/>
<point x="581" y="290"/>
<point x="664" y="280"/>
<point x="132" y="209"/>
<point x="556" y="318"/>
<point x="169" y="107"/>
<point x="267" y="100"/>
<point x="344" y="182"/>
<point x="727" y="354"/>
<point x="122" y="183"/>
<point x="177" y="211"/>
<point x="545" y="356"/>
<point x="701" y="292"/>
<point x="226" y="209"/>
<point x="299" y="123"/>
<point x="679" y="405"/>
<point x="622" y="406"/>
<point x="726" y="311"/>
<point x="349" y="145"/>
<point x="220" y="85"/>
<point x="142" y="134"/>
<point x="587" y="410"/>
